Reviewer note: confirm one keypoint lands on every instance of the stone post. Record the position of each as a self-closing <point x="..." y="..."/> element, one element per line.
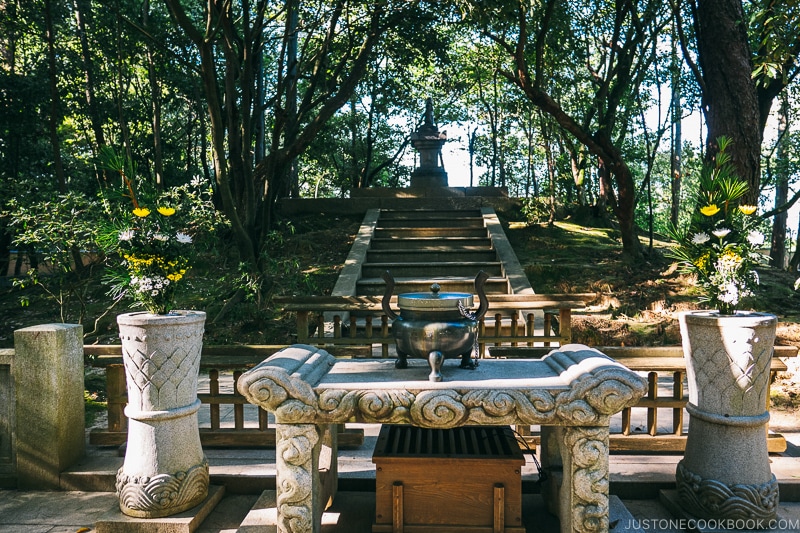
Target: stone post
<point x="48" y="376"/>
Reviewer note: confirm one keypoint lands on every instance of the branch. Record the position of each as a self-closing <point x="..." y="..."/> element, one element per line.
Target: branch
<point x="676" y="11"/>
<point x="782" y="208"/>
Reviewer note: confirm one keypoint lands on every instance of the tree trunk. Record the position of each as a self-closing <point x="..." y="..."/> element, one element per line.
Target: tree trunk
<point x="5" y="249"/>
<point x="155" y="97"/>
<point x="777" y="251"/>
<point x="730" y="98"/>
<point x="794" y="262"/>
<point x="677" y="141"/>
<point x="577" y="162"/>
<point x="292" y="128"/>
<point x="530" y="175"/>
<point x="551" y="176"/>
<point x="82" y="15"/>
<point x="121" y="89"/>
<point x="473" y="135"/>
<point x="55" y="97"/>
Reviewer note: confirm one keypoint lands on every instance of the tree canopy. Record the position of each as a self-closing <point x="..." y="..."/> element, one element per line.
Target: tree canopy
<point x="565" y="103"/>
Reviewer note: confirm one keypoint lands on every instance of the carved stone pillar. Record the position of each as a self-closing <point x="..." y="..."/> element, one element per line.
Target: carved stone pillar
<point x="297" y="477"/>
<point x="165" y="471"/>
<point x="725" y="471"/>
<point x="576" y="462"/>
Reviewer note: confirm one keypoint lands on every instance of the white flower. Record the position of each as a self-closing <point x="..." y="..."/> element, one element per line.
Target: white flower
<point x="154" y="293"/>
<point x="730" y="294"/>
<point x="197" y="181"/>
<point x="183" y="238"/>
<point x="700" y="238"/>
<point x="160" y="237"/>
<point x="126" y="235"/>
<point x="720" y="233"/>
<point x="755" y="238"/>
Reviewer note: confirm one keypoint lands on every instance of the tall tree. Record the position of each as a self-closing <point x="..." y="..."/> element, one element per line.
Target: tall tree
<point x="83" y="17"/>
<point x="613" y="41"/>
<point x="55" y="116"/>
<point x="334" y="47"/>
<point x="675" y="162"/>
<point x="777" y="250"/>
<point x="744" y="59"/>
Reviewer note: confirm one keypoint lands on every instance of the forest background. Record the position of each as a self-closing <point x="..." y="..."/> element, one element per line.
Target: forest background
<point x="578" y="108"/>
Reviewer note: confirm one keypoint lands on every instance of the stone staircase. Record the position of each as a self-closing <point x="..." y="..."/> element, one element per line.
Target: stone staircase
<point x="424" y="246"/>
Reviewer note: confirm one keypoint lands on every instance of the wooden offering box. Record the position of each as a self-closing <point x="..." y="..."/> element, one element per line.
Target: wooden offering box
<point x="462" y="480"/>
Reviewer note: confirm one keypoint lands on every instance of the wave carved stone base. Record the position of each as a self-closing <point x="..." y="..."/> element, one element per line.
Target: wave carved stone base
<point x="709" y="498"/>
<point x="163" y="494"/>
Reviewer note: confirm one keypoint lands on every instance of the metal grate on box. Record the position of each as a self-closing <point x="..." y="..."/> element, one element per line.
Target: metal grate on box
<point x="470" y="441"/>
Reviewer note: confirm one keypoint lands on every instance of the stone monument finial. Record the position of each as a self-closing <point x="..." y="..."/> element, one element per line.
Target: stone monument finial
<point x="429" y="111"/>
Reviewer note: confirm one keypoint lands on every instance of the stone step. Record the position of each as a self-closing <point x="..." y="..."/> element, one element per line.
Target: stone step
<point x="443" y="255"/>
<point x="420" y="232"/>
<point x="354" y="512"/>
<point x="377" y="286"/>
<point x="432" y="243"/>
<point x="429" y="214"/>
<point x="431" y="269"/>
<point x="443" y="222"/>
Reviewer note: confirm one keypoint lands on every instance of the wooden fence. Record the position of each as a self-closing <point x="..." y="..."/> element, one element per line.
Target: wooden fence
<point x="665" y="368"/>
<point x="355" y="327"/>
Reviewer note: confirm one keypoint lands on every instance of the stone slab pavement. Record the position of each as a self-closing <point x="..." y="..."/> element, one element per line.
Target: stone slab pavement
<point x="77" y="512"/>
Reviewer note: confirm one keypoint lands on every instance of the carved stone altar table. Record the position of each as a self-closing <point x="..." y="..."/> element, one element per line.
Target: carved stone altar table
<point x="572" y="393"/>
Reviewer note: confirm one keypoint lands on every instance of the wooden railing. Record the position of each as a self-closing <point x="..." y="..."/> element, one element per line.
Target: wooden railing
<point x="223" y="365"/>
<point x="358" y="321"/>
<point x="213" y="359"/>
<point x="355" y="327"/>
<point x="664" y="366"/>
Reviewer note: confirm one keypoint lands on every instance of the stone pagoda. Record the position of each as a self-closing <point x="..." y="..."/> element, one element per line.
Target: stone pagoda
<point x="428" y="141"/>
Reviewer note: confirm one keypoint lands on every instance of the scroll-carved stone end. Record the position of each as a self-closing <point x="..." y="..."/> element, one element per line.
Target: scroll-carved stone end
<point x="288" y="374"/>
<point x="599" y="385"/>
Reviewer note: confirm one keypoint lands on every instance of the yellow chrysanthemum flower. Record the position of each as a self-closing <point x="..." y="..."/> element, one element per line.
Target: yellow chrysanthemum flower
<point x="141" y="212"/>
<point x="166" y="211"/>
<point x="710" y="210"/>
<point x="747" y="209"/>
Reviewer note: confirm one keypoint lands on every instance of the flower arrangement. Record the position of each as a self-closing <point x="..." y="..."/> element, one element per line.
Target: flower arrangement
<point x="719" y="246"/>
<point x="152" y="241"/>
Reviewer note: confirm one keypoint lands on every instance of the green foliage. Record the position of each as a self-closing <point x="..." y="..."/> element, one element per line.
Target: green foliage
<point x="773" y="37"/>
<point x="720" y="244"/>
<point x="536" y="210"/>
<point x="63" y="235"/>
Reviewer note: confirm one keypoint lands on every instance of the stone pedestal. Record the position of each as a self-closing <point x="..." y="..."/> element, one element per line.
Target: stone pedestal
<point x="725" y="471"/>
<point x="165" y="471"/>
<point x="48" y="375"/>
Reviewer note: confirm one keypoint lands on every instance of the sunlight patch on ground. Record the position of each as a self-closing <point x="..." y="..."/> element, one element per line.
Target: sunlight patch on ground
<point x="584" y="230"/>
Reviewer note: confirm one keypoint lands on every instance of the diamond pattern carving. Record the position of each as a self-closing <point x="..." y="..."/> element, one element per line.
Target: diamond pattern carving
<point x="162" y="369"/>
<point x="731" y="368"/>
